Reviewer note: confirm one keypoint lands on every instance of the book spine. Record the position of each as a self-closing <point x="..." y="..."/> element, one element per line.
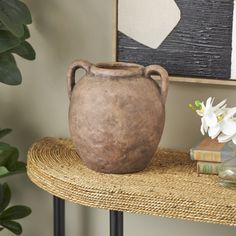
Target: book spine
<point x="200" y="155"/>
<point x="208" y="168"/>
<point x="211" y="156"/>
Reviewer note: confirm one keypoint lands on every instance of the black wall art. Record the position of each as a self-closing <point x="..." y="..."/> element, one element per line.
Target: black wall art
<point x="190" y="38"/>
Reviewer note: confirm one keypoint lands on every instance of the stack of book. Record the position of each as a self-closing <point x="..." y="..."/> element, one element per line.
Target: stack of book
<point x="209" y="153"/>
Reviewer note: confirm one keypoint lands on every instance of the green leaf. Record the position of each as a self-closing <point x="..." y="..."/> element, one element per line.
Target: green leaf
<point x="24" y="50"/>
<point x="15" y="212"/>
<point x="2" y="144"/>
<point x="8" y="41"/>
<point x="3" y="171"/>
<point x="12" y="159"/>
<point x="4" y="132"/>
<point x="5" y="196"/>
<point x="8" y="157"/>
<point x="8" y="161"/>
<point x="9" y="72"/>
<point x="20" y="168"/>
<point x="14" y="14"/>
<point x="26" y="34"/>
<point x="2" y="26"/>
<point x="13" y="226"/>
<point x="5" y="152"/>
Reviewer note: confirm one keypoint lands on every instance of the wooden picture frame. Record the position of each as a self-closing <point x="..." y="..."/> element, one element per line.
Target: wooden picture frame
<point x="202" y="80"/>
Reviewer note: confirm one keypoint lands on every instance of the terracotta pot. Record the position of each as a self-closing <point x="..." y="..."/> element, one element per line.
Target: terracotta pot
<point x="116" y="114"/>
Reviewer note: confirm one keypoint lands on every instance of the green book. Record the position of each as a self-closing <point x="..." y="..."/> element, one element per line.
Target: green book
<point x="212" y="151"/>
<point x="210" y="168"/>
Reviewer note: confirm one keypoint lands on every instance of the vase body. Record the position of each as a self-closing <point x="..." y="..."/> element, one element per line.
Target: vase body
<point x="116" y="115"/>
<point x="227" y="173"/>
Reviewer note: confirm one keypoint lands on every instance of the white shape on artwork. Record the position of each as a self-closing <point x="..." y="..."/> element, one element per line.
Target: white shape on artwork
<point x="148" y="21"/>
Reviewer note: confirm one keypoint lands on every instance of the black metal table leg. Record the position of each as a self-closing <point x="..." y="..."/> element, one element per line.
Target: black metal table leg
<point x="59" y="216"/>
<point x="116" y="223"/>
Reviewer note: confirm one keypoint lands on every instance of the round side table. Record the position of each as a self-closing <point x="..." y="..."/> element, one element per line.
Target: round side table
<point x="168" y="187"/>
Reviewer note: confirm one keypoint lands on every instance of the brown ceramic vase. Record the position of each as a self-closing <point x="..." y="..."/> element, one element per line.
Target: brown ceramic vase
<point x="116" y="114"/>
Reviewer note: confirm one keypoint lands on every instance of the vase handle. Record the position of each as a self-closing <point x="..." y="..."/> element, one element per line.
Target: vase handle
<point x="159" y="70"/>
<point x="77" y="64"/>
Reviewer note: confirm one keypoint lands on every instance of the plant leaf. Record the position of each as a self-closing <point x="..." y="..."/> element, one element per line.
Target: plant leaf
<point x="5" y="151"/>
<point x="4" y="132"/>
<point x="15" y="212"/>
<point x="8" y="41"/>
<point x="2" y="26"/>
<point x="12" y="159"/>
<point x="20" y="168"/>
<point x="26" y="34"/>
<point x="13" y="226"/>
<point x="3" y="148"/>
<point x="5" y="196"/>
<point x="14" y="14"/>
<point x="9" y="164"/>
<point x="9" y="72"/>
<point x="3" y="171"/>
<point x="2" y="144"/>
<point x="8" y="156"/>
<point x="24" y="50"/>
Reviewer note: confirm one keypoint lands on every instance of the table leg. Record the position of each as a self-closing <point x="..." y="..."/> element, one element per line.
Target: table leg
<point x="59" y="216"/>
<point x="116" y="223"/>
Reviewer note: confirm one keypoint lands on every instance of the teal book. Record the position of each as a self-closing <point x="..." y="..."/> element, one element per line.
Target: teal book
<point x="210" y="168"/>
<point x="212" y="151"/>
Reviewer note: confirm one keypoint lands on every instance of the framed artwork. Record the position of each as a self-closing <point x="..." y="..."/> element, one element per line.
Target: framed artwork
<point x="194" y="40"/>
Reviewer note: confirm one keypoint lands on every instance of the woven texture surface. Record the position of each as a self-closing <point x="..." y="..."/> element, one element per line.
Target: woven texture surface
<point x="169" y="187"/>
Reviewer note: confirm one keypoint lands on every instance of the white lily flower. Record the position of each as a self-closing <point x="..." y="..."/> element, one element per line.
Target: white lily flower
<point x="228" y="128"/>
<point x="223" y="138"/>
<point x="224" y="116"/>
<point x="210" y="116"/>
<point x="217" y="121"/>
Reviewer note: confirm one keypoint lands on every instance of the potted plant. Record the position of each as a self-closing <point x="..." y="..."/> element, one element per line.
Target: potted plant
<point x="14" y="18"/>
<point x="219" y="122"/>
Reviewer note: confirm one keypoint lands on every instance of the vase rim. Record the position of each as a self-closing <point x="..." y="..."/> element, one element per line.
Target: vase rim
<point x="117" y="69"/>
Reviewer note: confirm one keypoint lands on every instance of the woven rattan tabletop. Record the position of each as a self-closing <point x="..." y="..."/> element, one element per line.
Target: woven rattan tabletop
<point x="169" y="187"/>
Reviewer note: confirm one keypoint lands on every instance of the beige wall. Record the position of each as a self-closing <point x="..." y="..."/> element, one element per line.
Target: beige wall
<point x="62" y="31"/>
